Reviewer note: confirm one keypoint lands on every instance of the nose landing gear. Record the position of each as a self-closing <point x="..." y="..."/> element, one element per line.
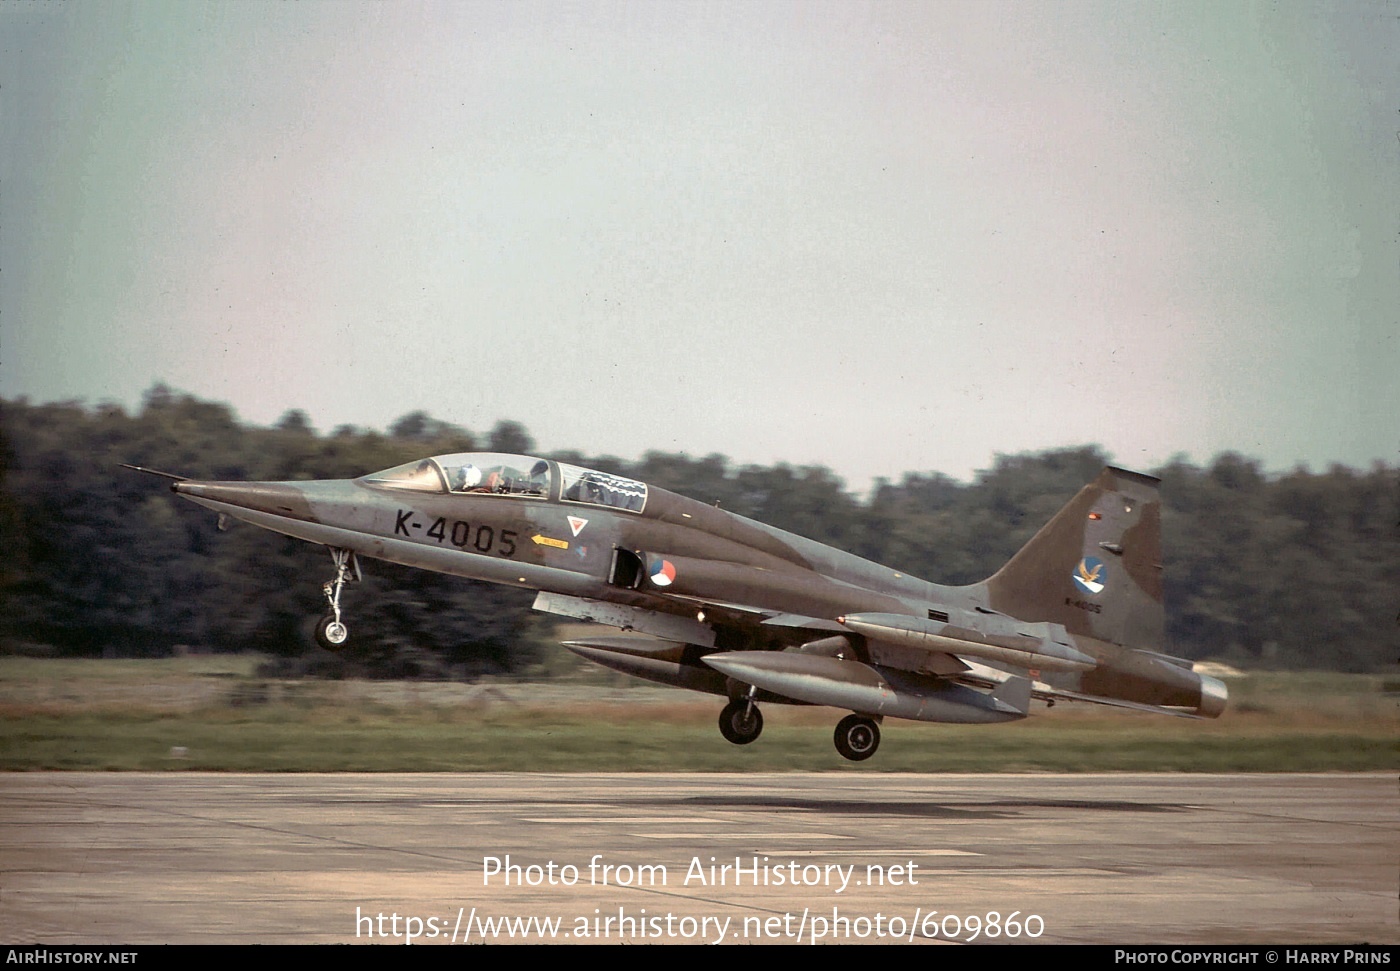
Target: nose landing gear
<point x="331" y="632"/>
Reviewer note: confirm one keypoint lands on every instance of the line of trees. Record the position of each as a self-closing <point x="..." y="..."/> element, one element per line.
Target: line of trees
<point x="1299" y="570"/>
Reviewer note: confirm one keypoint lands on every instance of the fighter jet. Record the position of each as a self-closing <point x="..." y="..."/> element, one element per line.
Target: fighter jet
<point x="718" y="603"/>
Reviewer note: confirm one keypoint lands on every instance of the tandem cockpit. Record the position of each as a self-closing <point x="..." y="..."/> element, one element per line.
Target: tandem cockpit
<point x="514" y="476"/>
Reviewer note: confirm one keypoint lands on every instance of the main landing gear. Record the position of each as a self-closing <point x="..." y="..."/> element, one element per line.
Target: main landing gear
<point x="857" y="737"/>
<point x="741" y="722"/>
<point x="331" y="632"/>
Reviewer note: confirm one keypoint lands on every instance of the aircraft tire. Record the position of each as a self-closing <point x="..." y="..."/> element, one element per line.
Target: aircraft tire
<point x="331" y="634"/>
<point x="857" y="737"/>
<point x="739" y="727"/>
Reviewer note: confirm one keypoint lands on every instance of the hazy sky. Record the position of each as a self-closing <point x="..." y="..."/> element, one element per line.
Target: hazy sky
<point x="878" y="237"/>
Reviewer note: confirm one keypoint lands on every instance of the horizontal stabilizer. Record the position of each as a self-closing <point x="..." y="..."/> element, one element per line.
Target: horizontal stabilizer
<point x="982" y="676"/>
<point x="1061" y="694"/>
<point x="1022" y="650"/>
<point x="864" y="688"/>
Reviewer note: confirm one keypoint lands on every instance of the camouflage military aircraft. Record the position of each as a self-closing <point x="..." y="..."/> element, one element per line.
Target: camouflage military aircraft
<point x="754" y="614"/>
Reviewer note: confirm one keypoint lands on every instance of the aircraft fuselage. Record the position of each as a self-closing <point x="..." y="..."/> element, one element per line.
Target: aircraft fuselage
<point x="753" y="612"/>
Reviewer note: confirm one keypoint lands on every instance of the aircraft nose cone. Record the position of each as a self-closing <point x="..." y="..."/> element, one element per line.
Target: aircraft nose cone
<point x="276" y="498"/>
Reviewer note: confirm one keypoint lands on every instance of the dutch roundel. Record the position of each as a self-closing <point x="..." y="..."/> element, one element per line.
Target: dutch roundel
<point x="662" y="573"/>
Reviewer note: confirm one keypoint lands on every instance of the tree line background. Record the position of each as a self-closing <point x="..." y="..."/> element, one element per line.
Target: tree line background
<point x="1300" y="570"/>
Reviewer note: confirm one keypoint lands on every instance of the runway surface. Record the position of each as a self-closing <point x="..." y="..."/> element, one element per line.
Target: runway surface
<point x="127" y="858"/>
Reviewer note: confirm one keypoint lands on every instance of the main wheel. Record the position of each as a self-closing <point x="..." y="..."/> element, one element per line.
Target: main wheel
<point x="331" y="633"/>
<point x="740" y="723"/>
<point x="857" y="737"/>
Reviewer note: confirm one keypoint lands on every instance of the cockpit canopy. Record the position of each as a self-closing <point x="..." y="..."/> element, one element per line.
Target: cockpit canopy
<point x="497" y="474"/>
<point x="470" y="472"/>
<point x="600" y="488"/>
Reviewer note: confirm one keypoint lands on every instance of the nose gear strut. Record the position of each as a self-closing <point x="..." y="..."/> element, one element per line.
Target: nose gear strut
<point x="331" y="633"/>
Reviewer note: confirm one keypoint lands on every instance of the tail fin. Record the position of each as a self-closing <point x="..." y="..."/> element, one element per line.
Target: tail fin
<point x="1096" y="567"/>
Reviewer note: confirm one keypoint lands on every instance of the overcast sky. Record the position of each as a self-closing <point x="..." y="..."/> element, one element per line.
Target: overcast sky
<point x="878" y="237"/>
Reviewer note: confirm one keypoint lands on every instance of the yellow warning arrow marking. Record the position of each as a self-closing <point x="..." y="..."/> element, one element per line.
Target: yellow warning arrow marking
<point x="559" y="544"/>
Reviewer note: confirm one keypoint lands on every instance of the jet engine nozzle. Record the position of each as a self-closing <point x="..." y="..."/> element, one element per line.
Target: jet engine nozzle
<point x="1214" y="697"/>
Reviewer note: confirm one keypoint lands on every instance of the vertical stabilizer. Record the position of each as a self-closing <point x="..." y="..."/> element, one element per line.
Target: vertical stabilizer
<point x="1096" y="568"/>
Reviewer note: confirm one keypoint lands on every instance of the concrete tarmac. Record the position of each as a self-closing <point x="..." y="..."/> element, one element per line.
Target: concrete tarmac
<point x="128" y="858"/>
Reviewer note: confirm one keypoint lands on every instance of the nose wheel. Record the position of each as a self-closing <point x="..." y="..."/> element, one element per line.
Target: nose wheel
<point x="331" y="632"/>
